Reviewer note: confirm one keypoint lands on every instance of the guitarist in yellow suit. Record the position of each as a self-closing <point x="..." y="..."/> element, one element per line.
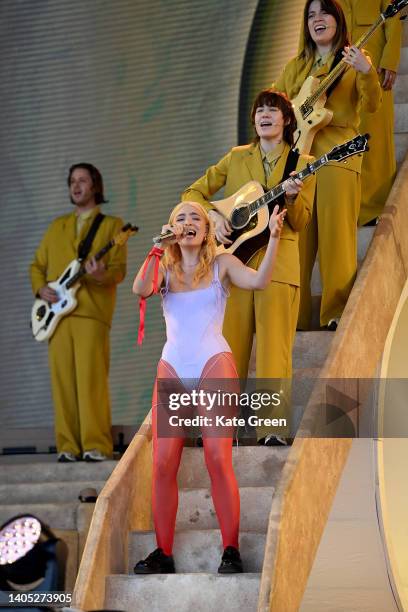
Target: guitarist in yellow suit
<point x="79" y="347"/>
<point x="379" y="165"/>
<point x="271" y="313"/>
<point x="333" y="230"/>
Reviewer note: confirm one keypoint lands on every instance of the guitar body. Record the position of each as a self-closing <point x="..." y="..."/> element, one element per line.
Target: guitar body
<point x="315" y="121"/>
<point x="249" y="209"/>
<point x="45" y="316"/>
<point x="248" y="240"/>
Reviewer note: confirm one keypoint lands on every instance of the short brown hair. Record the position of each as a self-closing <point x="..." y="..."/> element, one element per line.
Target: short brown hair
<point x="341" y="37"/>
<point x="270" y="97"/>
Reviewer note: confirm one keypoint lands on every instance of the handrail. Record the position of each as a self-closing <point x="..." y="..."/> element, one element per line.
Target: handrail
<point x="124" y="505"/>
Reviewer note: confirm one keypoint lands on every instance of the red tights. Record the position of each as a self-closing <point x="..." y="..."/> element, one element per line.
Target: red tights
<point x="218" y="457"/>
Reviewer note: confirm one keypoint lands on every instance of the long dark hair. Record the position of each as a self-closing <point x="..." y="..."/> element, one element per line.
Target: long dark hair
<point x="96" y="177"/>
<point x="270" y="97"/>
<point x="341" y="38"/>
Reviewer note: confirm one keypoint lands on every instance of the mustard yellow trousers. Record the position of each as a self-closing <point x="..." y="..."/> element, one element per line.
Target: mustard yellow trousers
<point x="272" y="314"/>
<point x="332" y="233"/>
<point x="79" y="363"/>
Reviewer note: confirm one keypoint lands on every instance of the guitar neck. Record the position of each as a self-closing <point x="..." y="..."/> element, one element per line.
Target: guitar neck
<point x="279" y="190"/>
<point x="341" y="66"/>
<point x="82" y="269"/>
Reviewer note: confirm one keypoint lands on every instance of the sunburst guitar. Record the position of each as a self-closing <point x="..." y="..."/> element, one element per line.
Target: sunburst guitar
<point x="249" y="209"/>
<point x="45" y="316"/>
<point x="309" y="104"/>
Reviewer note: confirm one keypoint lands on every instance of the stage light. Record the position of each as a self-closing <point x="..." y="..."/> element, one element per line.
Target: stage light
<point x="28" y="558"/>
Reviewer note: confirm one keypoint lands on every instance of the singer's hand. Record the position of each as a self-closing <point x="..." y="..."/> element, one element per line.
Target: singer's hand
<point x="177" y="229"/>
<point x="276" y="222"/>
<point x="221" y="227"/>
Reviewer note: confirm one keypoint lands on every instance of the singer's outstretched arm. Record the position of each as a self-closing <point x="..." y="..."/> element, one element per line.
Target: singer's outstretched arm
<point x="144" y="286"/>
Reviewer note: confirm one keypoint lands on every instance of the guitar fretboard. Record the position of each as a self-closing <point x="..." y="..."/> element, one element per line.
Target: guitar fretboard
<point x="279" y="190"/>
<point x="82" y="270"/>
<point x="308" y="104"/>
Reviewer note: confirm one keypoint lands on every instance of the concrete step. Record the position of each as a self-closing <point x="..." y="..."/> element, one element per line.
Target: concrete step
<point x="365" y="235"/>
<point x="44" y="493"/>
<point x="403" y="67"/>
<point x="199" y="551"/>
<point x="401" y="89"/>
<point x="56" y="472"/>
<point x="196" y="509"/>
<point x="304" y="380"/>
<point x="57" y="516"/>
<point x="401" y="146"/>
<point x="182" y="592"/>
<point x="311" y="349"/>
<point x="401" y="117"/>
<point x="254" y="466"/>
<point x="310" y="353"/>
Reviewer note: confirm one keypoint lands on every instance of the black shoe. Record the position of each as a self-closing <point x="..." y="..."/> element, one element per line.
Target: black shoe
<point x="156" y="563"/>
<point x="333" y="324"/>
<point x="231" y="562"/>
<point x="275" y="441"/>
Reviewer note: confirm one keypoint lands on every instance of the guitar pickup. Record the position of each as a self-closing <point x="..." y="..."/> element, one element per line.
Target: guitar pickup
<point x="40" y="313"/>
<point x="306" y="110"/>
<point x="49" y="319"/>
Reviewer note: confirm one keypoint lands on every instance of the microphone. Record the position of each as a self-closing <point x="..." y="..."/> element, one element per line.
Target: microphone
<point x="164" y="235"/>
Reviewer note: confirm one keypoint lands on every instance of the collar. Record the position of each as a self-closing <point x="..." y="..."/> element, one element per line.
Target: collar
<point x="321" y="61"/>
<point x="88" y="213"/>
<point x="273" y="156"/>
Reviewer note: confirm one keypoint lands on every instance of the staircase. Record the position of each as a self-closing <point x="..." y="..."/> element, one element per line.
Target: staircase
<point x="49" y="490"/>
<point x="197" y="549"/>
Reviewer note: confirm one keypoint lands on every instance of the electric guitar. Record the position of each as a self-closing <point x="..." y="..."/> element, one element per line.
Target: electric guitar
<point x="309" y="104"/>
<point x="248" y="209"/>
<point x="45" y="316"/>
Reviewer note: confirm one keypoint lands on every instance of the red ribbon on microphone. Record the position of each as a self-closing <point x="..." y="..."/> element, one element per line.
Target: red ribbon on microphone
<point x="157" y="253"/>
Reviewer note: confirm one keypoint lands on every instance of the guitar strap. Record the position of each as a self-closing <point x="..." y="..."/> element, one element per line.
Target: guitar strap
<point x="86" y="243"/>
<point x="290" y="166"/>
<point x="337" y="58"/>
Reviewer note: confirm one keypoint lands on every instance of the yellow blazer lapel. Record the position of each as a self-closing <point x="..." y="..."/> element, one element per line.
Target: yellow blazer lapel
<point x="254" y="164"/>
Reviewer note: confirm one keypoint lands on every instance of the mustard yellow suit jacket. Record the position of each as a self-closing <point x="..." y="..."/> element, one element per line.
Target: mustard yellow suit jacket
<point x="384" y="46"/>
<point x="243" y="164"/>
<point x="353" y="92"/>
<point x="59" y="246"/>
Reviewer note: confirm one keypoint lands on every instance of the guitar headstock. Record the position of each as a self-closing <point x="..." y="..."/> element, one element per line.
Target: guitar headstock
<point x="394" y="8"/>
<point x="125" y="233"/>
<point x="359" y="144"/>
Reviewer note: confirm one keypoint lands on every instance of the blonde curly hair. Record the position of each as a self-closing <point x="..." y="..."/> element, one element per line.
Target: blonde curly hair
<point x="172" y="258"/>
